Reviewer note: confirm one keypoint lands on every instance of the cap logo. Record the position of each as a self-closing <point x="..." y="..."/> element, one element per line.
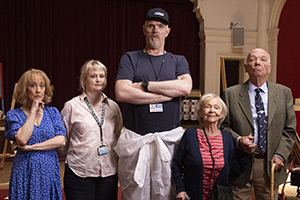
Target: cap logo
<point x="159" y="13"/>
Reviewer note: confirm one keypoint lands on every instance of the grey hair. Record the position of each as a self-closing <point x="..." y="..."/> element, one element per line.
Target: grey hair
<point x="268" y="59"/>
<point x="203" y="100"/>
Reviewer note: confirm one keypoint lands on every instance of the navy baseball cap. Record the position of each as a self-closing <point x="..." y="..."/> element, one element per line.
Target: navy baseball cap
<point x="158" y="14"/>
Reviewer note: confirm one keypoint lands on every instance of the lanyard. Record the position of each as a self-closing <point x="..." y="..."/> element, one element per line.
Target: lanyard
<point x="211" y="155"/>
<point x="95" y="116"/>
<point x="161" y="66"/>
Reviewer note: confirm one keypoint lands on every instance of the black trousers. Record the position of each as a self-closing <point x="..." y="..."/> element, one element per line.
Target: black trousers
<point x="91" y="188"/>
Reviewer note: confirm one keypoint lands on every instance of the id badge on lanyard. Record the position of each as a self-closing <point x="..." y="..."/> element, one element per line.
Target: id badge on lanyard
<point x="158" y="107"/>
<point x="102" y="149"/>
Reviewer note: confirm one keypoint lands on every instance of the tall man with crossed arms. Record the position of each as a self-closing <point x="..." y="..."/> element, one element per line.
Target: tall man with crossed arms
<point x="151" y="82"/>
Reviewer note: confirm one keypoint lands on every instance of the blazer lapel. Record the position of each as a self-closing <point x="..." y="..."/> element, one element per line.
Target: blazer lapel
<point x="244" y="102"/>
<point x="272" y="102"/>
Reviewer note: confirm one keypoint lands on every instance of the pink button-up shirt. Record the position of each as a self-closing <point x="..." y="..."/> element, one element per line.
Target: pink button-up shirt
<point x="83" y="137"/>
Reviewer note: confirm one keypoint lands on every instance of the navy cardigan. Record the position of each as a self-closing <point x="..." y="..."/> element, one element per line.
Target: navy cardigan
<point x="187" y="166"/>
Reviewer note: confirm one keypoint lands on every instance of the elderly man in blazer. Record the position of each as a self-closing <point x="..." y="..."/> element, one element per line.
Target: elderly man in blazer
<point x="275" y="142"/>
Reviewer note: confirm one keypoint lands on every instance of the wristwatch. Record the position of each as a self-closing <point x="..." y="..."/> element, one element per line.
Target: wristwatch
<point x="145" y="85"/>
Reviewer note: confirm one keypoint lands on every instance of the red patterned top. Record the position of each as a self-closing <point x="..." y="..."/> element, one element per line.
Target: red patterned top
<point x="218" y="154"/>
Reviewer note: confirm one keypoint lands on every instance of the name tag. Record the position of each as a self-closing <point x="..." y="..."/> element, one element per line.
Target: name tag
<point x="102" y="150"/>
<point x="156" y="107"/>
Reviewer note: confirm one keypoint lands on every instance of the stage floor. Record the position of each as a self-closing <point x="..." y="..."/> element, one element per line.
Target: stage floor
<point x="5" y="174"/>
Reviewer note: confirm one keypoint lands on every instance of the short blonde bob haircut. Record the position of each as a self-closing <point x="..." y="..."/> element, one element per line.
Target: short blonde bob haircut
<point x="21" y="90"/>
<point x="203" y="100"/>
<point x="90" y="65"/>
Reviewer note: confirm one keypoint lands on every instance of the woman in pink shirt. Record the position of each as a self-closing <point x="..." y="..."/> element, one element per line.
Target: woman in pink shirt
<point x="93" y="122"/>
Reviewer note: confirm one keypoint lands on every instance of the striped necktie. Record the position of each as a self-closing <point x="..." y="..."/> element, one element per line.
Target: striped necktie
<point x="262" y="120"/>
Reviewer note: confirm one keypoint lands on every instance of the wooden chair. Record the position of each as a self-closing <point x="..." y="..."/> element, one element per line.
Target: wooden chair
<point x="4" y="154"/>
<point x="294" y="168"/>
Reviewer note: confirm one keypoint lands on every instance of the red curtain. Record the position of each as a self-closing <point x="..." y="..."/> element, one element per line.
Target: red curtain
<point x="288" y="47"/>
<point x="58" y="36"/>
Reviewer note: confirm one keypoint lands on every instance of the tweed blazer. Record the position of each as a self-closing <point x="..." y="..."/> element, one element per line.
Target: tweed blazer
<point x="281" y="131"/>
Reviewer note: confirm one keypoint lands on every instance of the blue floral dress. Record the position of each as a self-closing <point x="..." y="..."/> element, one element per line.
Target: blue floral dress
<point x="35" y="174"/>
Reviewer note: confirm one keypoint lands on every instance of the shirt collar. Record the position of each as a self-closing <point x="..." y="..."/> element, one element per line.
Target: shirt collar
<point x="252" y="87"/>
<point x="83" y="95"/>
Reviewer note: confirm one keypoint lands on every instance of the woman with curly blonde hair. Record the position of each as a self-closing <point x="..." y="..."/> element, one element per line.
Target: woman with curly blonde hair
<point x="36" y="130"/>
